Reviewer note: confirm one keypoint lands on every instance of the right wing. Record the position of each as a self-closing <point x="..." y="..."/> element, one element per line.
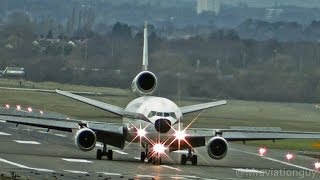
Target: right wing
<point x="104" y="106"/>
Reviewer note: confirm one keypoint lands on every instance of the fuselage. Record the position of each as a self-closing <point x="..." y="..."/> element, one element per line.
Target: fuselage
<point x="160" y="119"/>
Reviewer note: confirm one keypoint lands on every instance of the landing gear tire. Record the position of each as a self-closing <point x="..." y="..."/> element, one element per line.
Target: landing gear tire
<point x="189" y="157"/>
<point x="99" y="154"/>
<point x="142" y="156"/>
<point x="194" y="160"/>
<point x="104" y="152"/>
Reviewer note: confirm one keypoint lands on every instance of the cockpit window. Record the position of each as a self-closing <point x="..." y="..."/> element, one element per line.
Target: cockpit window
<point x="151" y="114"/>
<point x="159" y="113"/>
<point x="172" y="114"/>
<point x="166" y="114"/>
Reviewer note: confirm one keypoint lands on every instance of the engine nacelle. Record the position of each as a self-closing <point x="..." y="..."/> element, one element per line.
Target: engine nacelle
<point x="217" y="147"/>
<point x="85" y="139"/>
<point x="144" y="83"/>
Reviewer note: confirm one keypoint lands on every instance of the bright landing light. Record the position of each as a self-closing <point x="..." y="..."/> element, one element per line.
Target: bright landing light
<point x="18" y="107"/>
<point x="141" y="132"/>
<point x="180" y="135"/>
<point x="7" y="106"/>
<point x="159" y="148"/>
<point x="289" y="156"/>
<point x="29" y="109"/>
<point x="262" y="151"/>
<point x="317" y="165"/>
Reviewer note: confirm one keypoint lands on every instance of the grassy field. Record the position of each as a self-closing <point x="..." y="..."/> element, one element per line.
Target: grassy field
<point x="288" y="116"/>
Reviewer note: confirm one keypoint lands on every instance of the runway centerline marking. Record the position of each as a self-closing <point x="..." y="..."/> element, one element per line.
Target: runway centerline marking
<point x="76" y="172"/>
<point x="120" y="152"/>
<point x="60" y="135"/>
<point x="26" y="142"/>
<point x="276" y="160"/>
<point x="44" y="132"/>
<point x="76" y="160"/>
<point x="137" y="158"/>
<point x="1" y="121"/>
<point x="25" y="167"/>
<point x="170" y="167"/>
<point x="110" y="174"/>
<point x="144" y="176"/>
<point x="4" y="134"/>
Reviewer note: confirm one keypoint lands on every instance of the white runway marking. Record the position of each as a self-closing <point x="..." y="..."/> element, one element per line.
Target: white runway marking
<point x="27" y="129"/>
<point x="169" y="167"/>
<point x="4" y="134"/>
<point x="119" y="152"/>
<point x="110" y="174"/>
<point x="276" y="160"/>
<point x="76" y="172"/>
<point x="76" y="160"/>
<point x="26" y="142"/>
<point x="247" y="170"/>
<point x="44" y="132"/>
<point x="137" y="158"/>
<point x="60" y="135"/>
<point x="144" y="176"/>
<point x="1" y="121"/>
<point x="25" y="167"/>
<point x="180" y="151"/>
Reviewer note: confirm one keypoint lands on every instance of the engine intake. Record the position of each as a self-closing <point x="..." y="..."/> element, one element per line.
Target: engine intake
<point x="144" y="83"/>
<point x="85" y="139"/>
<point x="217" y="148"/>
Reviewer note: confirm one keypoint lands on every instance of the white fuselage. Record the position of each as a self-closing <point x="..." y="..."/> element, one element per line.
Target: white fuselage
<point x="153" y="109"/>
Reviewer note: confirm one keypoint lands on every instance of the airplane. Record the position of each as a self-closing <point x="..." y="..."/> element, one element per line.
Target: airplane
<point x="156" y="123"/>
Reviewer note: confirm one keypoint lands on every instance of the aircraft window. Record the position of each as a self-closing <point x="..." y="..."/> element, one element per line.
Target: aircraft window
<point x="166" y="114"/>
<point x="159" y="114"/>
<point x="172" y="114"/>
<point x="152" y="113"/>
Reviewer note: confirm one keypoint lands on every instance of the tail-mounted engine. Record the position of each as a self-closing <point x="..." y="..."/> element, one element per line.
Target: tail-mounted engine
<point x="85" y="139"/>
<point x="144" y="83"/>
<point x="217" y="148"/>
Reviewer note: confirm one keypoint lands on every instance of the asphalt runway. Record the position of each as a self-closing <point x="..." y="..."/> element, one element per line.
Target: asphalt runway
<point x="34" y="153"/>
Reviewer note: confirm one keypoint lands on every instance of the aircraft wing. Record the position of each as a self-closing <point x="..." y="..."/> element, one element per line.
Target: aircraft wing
<point x="104" y="106"/>
<point x="251" y="133"/>
<point x="114" y="132"/>
<point x="199" y="107"/>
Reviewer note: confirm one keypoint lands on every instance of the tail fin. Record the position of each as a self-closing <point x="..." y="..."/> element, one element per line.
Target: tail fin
<point x="145" y="48"/>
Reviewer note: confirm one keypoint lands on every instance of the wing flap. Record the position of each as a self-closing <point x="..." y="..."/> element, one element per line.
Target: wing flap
<point x="199" y="107"/>
<point x="104" y="106"/>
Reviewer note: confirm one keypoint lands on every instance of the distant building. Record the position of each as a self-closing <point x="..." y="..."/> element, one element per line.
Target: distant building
<point x="13" y="72"/>
<point x="208" y="6"/>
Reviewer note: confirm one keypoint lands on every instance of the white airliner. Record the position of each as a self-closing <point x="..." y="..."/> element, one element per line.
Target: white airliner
<point x="153" y="122"/>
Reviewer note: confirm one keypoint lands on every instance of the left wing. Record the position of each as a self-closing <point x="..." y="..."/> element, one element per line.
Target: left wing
<point x="199" y="107"/>
<point x="197" y="137"/>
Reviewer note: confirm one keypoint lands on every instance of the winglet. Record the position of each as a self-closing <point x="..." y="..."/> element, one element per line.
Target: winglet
<point x="145" y="48"/>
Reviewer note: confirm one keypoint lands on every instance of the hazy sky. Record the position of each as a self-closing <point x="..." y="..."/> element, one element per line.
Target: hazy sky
<point x="268" y="3"/>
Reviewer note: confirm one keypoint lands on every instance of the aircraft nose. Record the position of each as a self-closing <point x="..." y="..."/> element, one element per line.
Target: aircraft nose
<point x="162" y="125"/>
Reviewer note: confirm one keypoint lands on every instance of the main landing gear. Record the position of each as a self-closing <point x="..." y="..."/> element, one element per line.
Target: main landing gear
<point x="104" y="152"/>
<point x="145" y="156"/>
<point x="189" y="157"/>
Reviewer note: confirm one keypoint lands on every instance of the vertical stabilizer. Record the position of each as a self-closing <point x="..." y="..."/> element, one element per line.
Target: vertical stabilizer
<point x="145" y="48"/>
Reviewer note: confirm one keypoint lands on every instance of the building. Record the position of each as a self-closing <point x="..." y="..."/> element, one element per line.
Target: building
<point x="208" y="6"/>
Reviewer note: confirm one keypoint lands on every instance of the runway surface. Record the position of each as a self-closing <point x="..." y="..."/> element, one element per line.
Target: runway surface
<point x="35" y="153"/>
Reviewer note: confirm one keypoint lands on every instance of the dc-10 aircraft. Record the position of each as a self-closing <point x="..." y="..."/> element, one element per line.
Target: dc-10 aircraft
<point x="154" y="122"/>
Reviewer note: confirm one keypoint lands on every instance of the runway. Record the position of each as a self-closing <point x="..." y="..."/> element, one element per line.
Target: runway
<point x="35" y="153"/>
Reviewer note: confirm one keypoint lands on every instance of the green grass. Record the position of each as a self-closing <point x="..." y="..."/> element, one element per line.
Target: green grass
<point x="288" y="116"/>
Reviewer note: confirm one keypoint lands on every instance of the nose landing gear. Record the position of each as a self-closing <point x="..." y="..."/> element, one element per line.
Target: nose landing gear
<point x="189" y="157"/>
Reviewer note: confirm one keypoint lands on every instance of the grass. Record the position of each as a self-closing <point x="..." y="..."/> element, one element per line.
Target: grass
<point x="288" y="116"/>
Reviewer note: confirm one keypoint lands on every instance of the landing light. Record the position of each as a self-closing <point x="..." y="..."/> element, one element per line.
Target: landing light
<point x="262" y="151"/>
<point x="159" y="148"/>
<point x="141" y="132"/>
<point x="41" y="112"/>
<point x="317" y="165"/>
<point x="18" y="107"/>
<point x="289" y="156"/>
<point x="7" y="106"/>
<point x="180" y="135"/>
<point x="29" y="109"/>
